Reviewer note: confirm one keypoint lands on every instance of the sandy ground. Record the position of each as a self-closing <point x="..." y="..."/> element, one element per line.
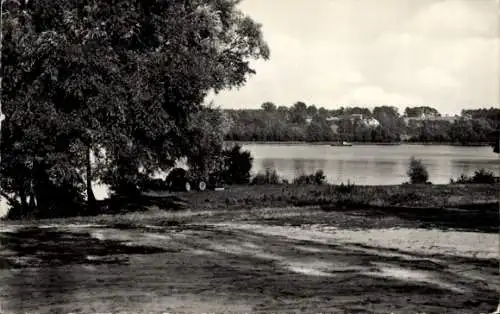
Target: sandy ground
<point x="297" y="260"/>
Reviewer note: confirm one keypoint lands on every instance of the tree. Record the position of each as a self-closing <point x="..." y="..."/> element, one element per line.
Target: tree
<point x="494" y="140"/>
<point x="122" y="79"/>
<point x="237" y="166"/>
<point x="418" y="111"/>
<point x="323" y="112"/>
<point x="206" y="130"/>
<point x="268" y="107"/>
<point x="390" y="121"/>
<point x="298" y="113"/>
<point x="312" y="111"/>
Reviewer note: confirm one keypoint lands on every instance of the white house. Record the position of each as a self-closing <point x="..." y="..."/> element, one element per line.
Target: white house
<point x="372" y="122"/>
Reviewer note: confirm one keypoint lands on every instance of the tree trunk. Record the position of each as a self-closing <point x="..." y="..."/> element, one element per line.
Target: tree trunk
<point x="24" y="200"/>
<point x="33" y="202"/>
<point x="90" y="193"/>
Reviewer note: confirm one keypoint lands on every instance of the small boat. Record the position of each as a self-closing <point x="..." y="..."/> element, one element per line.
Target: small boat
<point x="344" y="143"/>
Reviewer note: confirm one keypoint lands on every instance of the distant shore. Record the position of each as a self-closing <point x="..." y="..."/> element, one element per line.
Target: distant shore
<point x="359" y="143"/>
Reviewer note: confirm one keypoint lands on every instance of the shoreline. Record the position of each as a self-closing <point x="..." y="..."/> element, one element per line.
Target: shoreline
<point x="384" y="198"/>
<point x="284" y="143"/>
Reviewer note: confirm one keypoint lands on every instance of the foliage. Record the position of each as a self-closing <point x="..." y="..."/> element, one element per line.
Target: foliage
<point x="269" y="107"/>
<point x="317" y="178"/>
<point x="289" y="124"/>
<point x="417" y="172"/>
<point x="123" y="81"/>
<point x="494" y="140"/>
<point x="418" y="111"/>
<point x="268" y="177"/>
<point x="238" y="165"/>
<point x="345" y="188"/>
<point x="480" y="176"/>
<point x="206" y="130"/>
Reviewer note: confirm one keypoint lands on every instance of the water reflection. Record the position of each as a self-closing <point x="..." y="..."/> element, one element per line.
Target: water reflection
<point x="268" y="164"/>
<point x="370" y="164"/>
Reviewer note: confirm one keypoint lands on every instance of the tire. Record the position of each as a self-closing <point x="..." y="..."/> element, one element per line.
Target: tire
<point x="187" y="187"/>
<point x="202" y="186"/>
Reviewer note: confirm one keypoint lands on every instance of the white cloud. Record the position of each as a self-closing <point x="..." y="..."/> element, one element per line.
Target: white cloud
<point x="455" y="18"/>
<point x="375" y="95"/>
<point x="352" y="77"/>
<point x="436" y="78"/>
<point x="437" y="52"/>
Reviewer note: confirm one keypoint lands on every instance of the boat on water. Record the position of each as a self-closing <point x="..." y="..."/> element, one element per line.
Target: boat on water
<point x="344" y="143"/>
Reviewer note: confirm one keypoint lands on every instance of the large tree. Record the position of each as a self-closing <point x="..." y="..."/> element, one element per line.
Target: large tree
<point x="120" y="77"/>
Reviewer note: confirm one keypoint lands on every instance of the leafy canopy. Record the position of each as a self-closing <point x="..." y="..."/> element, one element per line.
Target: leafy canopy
<point x="121" y="77"/>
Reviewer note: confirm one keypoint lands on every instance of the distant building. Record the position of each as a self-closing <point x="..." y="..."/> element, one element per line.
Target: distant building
<point x="405" y="137"/>
<point x="332" y="119"/>
<point x="372" y="122"/>
<point x="357" y="116"/>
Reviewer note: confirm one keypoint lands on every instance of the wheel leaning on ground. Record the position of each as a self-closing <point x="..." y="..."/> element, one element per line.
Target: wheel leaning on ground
<point x="202" y="186"/>
<point x="187" y="187"/>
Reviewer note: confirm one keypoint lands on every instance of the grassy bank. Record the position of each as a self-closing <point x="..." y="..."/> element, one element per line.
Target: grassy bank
<point x="429" y="196"/>
<point x="327" y="197"/>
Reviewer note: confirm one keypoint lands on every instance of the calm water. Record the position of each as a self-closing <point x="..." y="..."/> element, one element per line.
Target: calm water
<point x="371" y="164"/>
<point x="363" y="165"/>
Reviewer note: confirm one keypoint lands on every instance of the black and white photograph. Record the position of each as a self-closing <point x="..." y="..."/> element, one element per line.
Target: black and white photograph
<point x="249" y="156"/>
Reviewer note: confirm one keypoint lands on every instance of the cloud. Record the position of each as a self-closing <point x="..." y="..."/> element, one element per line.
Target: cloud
<point x="352" y="77"/>
<point x="375" y="95"/>
<point x="435" y="78"/>
<point x="437" y="52"/>
<point x="461" y="18"/>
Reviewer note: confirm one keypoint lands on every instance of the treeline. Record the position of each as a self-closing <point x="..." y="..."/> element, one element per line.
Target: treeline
<point x="301" y="122"/>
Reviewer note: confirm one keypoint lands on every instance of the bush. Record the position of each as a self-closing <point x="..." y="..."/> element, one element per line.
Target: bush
<point x="269" y="177"/>
<point x="237" y="165"/>
<point x="480" y="176"/>
<point x="345" y="188"/>
<point x="417" y="171"/>
<point x="483" y="176"/>
<point x="317" y="178"/>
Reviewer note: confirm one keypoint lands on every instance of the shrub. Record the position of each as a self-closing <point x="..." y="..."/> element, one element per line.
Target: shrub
<point x="480" y="176"/>
<point x="237" y="166"/>
<point x="317" y="178"/>
<point x="417" y="171"/>
<point x="269" y="177"/>
<point x="345" y="188"/>
<point x="483" y="176"/>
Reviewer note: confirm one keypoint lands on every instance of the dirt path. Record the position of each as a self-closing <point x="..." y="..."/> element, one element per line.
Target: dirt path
<point x="232" y="263"/>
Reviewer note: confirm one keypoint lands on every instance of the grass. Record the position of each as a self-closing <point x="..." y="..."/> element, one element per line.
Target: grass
<point x="328" y="197"/>
<point x="262" y="196"/>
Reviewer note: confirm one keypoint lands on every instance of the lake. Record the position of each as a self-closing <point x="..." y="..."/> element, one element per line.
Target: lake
<point x="371" y="164"/>
<point x="361" y="164"/>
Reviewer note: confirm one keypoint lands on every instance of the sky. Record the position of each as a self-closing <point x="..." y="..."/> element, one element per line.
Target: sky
<point x="332" y="53"/>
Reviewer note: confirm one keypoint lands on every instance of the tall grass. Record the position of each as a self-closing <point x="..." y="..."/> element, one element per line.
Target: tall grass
<point x="272" y="177"/>
<point x="318" y="178"/>
<point x="269" y="177"/>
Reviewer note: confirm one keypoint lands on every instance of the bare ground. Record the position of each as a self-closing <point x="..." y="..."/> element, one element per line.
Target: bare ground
<point x="279" y="260"/>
